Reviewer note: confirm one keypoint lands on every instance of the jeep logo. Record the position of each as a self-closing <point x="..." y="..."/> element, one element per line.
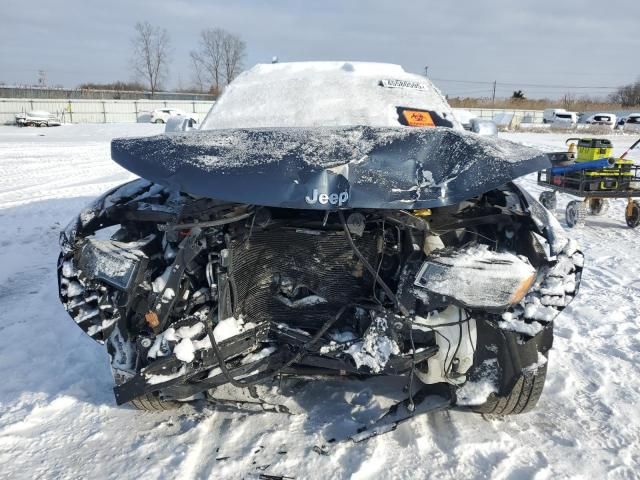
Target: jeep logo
<point x="324" y="198"/>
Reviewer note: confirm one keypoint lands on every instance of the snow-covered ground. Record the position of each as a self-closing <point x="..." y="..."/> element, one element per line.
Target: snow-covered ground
<point x="58" y="418"/>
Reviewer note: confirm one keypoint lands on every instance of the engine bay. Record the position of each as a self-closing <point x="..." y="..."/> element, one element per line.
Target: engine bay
<point x="190" y="294"/>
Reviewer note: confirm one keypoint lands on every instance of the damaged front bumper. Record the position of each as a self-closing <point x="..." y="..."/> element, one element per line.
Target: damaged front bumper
<point x="103" y="285"/>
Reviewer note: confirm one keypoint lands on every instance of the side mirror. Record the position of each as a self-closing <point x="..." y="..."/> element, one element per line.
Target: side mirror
<point x="179" y="123"/>
<point x="483" y="127"/>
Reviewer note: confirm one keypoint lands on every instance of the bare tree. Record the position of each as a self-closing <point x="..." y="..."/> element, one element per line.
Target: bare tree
<point x="198" y="75"/>
<point x="568" y="100"/>
<point x="234" y="52"/>
<point x="218" y="59"/>
<point x="150" y="59"/>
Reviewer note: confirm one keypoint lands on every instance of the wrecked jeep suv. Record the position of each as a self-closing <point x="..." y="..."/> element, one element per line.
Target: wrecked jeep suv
<point x="327" y="219"/>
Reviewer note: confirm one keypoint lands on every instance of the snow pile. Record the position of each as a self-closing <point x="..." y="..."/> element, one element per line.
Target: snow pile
<point x="376" y="347"/>
<point x="184" y="339"/>
<point x="187" y="340"/>
<point x="230" y="327"/>
<point x="477" y="391"/>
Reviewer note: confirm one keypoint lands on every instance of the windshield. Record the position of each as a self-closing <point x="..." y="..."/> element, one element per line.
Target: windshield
<point x="324" y="94"/>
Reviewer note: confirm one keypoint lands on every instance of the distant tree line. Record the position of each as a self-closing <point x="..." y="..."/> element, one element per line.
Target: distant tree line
<point x="627" y="95"/>
<point x="216" y="61"/>
<point x="118" y="86"/>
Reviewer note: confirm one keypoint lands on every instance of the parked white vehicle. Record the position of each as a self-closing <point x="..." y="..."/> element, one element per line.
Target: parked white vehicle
<point x="483" y="126"/>
<point x="37" y="118"/>
<point x="632" y="123"/>
<point x="559" y="116"/>
<point x="604" y="119"/>
<point x="464" y="117"/>
<point x="162" y="115"/>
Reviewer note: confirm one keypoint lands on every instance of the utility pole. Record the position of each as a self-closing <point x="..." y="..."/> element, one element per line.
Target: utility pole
<point x="42" y="78"/>
<point x="493" y="97"/>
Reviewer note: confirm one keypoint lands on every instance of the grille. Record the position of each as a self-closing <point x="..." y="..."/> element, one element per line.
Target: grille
<point x="323" y="262"/>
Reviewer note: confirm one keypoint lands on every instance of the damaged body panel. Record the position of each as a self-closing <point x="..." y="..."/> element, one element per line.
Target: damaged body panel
<point x="329" y="168"/>
<point x="245" y="259"/>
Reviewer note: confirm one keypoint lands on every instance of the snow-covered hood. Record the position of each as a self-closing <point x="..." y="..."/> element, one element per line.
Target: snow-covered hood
<point x="329" y="168"/>
<point x="324" y="94"/>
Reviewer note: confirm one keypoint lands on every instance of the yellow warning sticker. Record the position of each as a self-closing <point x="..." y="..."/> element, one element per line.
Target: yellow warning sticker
<point x="416" y="118"/>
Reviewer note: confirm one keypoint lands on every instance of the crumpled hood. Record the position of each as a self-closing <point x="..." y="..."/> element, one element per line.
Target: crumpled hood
<point x="329" y="168"/>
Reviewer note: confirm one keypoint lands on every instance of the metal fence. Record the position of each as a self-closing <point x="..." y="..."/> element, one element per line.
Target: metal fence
<point x="110" y="111"/>
<point x="96" y="111"/>
<point x="519" y="116"/>
<point x="49" y="93"/>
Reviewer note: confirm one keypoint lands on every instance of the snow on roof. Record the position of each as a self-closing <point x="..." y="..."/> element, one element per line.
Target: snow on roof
<point x="315" y="94"/>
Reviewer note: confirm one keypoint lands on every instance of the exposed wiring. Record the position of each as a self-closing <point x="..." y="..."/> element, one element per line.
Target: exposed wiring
<point x="371" y="270"/>
<point x="412" y="406"/>
<point x="247" y="383"/>
<point x="374" y="293"/>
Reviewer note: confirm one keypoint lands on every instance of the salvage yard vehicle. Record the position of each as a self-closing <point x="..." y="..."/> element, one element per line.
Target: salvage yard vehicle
<point x="327" y="219"/>
<point x="603" y="119"/>
<point x="632" y="123"/>
<point x="163" y="115"/>
<point x="37" y="118"/>
<point x="559" y="116"/>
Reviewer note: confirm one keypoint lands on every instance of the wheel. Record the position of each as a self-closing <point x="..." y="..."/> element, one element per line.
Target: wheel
<point x="523" y="397"/>
<point x="158" y="120"/>
<point x="598" y="206"/>
<point x="151" y="403"/>
<point x="575" y="213"/>
<point x="549" y="200"/>
<point x="632" y="214"/>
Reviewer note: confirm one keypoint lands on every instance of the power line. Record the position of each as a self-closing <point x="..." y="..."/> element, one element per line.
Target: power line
<point x="527" y="85"/>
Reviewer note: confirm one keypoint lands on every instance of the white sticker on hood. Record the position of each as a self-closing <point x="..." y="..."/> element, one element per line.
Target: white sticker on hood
<point x="391" y="83"/>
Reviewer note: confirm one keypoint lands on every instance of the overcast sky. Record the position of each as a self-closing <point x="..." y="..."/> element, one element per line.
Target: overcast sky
<point x="542" y="43"/>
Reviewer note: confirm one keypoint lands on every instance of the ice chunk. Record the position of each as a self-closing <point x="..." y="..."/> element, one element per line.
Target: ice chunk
<point x="536" y="311"/>
<point x="184" y="350"/>
<point x="227" y="328"/>
<point x="376" y="348"/>
<point x="521" y="326"/>
<point x="161" y="281"/>
<point x="74" y="289"/>
<point x="68" y="270"/>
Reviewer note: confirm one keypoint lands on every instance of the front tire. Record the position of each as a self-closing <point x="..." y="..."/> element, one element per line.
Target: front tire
<point x="152" y="403"/>
<point x="632" y="214"/>
<point x="149" y="402"/>
<point x="523" y="397"/>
